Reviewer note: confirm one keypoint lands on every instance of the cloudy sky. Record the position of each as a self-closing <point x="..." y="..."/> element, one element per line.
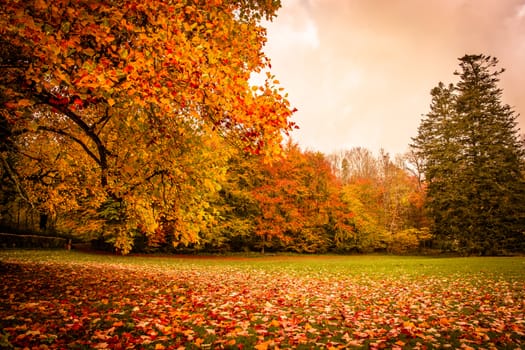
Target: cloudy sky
<point x="360" y="71"/>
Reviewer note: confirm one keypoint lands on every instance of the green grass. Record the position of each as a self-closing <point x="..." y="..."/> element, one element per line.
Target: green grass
<point x="255" y="301"/>
<point x="338" y="263"/>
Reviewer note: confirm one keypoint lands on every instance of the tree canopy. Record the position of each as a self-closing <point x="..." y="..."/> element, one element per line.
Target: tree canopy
<point x="119" y="109"/>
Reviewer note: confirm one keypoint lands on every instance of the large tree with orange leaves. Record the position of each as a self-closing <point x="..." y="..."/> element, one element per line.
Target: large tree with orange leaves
<point x="299" y="204"/>
<point x="108" y="97"/>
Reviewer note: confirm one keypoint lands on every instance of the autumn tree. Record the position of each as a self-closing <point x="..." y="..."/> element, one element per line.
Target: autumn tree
<point x="235" y="229"/>
<point x="355" y="163"/>
<point x="385" y="199"/>
<point x="112" y="99"/>
<point x="288" y="200"/>
<point x="363" y="199"/>
<point x="473" y="161"/>
<point x="292" y="203"/>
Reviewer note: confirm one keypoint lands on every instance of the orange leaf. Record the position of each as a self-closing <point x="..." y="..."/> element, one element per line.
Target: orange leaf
<point x="118" y="324"/>
<point x="444" y="321"/>
<point x="24" y="103"/>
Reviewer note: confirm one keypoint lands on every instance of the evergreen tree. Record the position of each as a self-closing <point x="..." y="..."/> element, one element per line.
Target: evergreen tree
<point x="474" y="161"/>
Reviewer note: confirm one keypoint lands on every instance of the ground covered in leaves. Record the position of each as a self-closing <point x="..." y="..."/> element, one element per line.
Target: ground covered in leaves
<point x="58" y="300"/>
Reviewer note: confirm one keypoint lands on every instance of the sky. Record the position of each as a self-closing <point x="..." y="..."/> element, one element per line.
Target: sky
<point x="360" y="71"/>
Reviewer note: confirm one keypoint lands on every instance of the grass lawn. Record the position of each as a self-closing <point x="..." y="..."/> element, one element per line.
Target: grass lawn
<point x="74" y="300"/>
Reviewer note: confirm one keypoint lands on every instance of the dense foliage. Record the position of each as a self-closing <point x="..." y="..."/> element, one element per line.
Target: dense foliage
<point x="115" y="113"/>
<point x="138" y="125"/>
<point x="473" y="162"/>
<point x="386" y="200"/>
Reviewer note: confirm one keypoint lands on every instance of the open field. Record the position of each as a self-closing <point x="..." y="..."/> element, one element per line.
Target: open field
<point x="60" y="299"/>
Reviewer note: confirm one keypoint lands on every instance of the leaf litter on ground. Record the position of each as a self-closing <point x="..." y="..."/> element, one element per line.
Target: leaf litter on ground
<point x="56" y="304"/>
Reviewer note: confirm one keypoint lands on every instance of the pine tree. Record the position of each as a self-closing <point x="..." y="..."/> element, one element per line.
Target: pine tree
<point x="474" y="161"/>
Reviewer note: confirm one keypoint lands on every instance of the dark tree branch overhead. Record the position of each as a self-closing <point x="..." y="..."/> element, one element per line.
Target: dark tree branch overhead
<point x="48" y="99"/>
<point x="73" y="138"/>
<point x="13" y="176"/>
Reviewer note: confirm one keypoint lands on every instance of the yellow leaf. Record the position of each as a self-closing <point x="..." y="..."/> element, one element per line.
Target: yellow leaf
<point x="408" y="324"/>
<point x="159" y="346"/>
<point x="262" y="346"/>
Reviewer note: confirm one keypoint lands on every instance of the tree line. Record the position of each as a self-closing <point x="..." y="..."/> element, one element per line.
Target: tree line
<point x="136" y="124"/>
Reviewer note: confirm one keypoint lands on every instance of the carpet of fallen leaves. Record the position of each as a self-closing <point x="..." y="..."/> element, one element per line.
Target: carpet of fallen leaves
<point x="96" y="305"/>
